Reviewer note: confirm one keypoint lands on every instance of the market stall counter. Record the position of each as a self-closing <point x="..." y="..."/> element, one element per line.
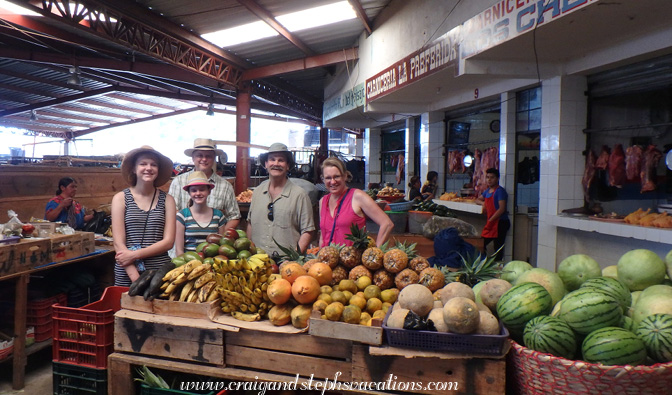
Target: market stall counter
<point x="19" y="261"/>
<point x="222" y="348"/>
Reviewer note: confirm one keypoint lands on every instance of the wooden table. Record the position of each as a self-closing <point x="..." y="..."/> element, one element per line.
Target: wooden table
<point x="199" y="347"/>
<point x="100" y="257"/>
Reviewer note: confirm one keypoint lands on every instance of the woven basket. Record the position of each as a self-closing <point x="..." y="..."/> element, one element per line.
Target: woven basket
<point x="534" y="372"/>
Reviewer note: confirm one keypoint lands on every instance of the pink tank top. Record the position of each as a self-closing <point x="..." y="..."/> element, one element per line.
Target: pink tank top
<point x="343" y="220"/>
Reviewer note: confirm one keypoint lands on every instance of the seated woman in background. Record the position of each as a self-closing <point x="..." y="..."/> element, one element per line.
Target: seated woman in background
<point x="143" y="217"/>
<point x="197" y="221"/>
<point x="414" y="188"/>
<point x="429" y="189"/>
<point x="344" y="206"/>
<point x="64" y="208"/>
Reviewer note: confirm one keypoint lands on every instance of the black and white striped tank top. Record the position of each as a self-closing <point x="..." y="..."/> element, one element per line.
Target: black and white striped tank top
<point x="134" y="219"/>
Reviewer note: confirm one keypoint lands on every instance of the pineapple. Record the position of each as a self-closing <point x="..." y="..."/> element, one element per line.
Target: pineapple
<point x="396" y="258"/>
<point x="350" y="256"/>
<point x="405" y="278"/>
<point x="289" y="254"/>
<point x="418" y="264"/>
<point x="383" y="279"/>
<point x="475" y="268"/>
<point x="358" y="272"/>
<point x="338" y="273"/>
<point x="432" y="278"/>
<point x="329" y="255"/>
<point x="372" y="258"/>
<point x="359" y="238"/>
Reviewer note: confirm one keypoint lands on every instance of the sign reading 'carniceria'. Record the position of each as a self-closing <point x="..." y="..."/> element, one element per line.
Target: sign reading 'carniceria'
<point x="441" y="54"/>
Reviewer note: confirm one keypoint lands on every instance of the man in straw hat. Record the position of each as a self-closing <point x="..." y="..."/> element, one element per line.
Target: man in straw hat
<point x="280" y="209"/>
<point x="222" y="196"/>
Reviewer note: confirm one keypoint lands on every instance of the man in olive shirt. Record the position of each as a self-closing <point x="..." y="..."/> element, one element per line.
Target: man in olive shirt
<point x="280" y="209"/>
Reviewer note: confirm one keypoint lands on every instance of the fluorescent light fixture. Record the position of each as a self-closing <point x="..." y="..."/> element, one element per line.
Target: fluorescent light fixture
<point x="15" y="9"/>
<point x="294" y="22"/>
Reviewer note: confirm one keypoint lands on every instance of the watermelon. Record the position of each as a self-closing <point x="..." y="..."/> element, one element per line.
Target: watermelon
<point x="628" y="324"/>
<point x="588" y="309"/>
<point x="612" y="287"/>
<point x="550" y="335"/>
<point x="613" y="346"/>
<point x="656" y="332"/>
<point x="521" y="303"/>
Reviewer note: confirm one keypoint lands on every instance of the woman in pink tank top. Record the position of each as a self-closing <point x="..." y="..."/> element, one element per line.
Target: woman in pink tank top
<point x="344" y="206"/>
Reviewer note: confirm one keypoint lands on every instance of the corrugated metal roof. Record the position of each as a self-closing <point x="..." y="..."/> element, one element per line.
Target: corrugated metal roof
<point x="34" y="69"/>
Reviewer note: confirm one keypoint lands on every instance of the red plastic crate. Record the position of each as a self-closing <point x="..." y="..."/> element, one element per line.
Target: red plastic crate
<point x="43" y="332"/>
<point x="42" y="307"/>
<point x="85" y="336"/>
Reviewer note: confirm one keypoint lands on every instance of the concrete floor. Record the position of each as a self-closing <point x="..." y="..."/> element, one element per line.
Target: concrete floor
<point x="38" y="375"/>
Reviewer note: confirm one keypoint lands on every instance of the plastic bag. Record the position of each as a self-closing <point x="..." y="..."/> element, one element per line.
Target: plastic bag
<point x="437" y="224"/>
<point x="415" y="322"/>
<point x="13" y="227"/>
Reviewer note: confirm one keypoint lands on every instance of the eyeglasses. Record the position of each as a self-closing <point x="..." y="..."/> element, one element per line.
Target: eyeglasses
<point x="204" y="156"/>
<point x="270" y="212"/>
<point x="334" y="178"/>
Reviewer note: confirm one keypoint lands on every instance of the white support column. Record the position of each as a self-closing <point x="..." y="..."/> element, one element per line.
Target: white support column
<point x="409" y="153"/>
<point x="507" y="161"/>
<point x="563" y="118"/>
<point x="432" y="139"/>
<point x="372" y="146"/>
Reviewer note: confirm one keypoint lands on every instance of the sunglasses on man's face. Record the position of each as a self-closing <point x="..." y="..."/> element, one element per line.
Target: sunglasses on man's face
<point x="270" y="212"/>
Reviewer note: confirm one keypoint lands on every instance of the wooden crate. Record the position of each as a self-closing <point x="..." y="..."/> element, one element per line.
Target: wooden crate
<point x="45" y="229"/>
<point x="189" y="339"/>
<point x="64" y="247"/>
<point x="461" y="374"/>
<point x="300" y="354"/>
<point x="24" y="255"/>
<point x="169" y="308"/>
<point x="88" y="242"/>
<point x="340" y="330"/>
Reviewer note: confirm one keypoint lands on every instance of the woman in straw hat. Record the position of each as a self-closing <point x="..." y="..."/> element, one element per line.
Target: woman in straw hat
<point x="197" y="221"/>
<point x="143" y="217"/>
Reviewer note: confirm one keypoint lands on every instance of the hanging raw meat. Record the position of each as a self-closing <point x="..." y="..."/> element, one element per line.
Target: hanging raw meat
<point x="633" y="162"/>
<point x="459" y="162"/>
<point x="451" y="162"/>
<point x="648" y="172"/>
<point x="401" y="167"/>
<point x="616" y="167"/>
<point x="478" y="180"/>
<point x="603" y="159"/>
<point x="490" y="158"/>
<point x="588" y="174"/>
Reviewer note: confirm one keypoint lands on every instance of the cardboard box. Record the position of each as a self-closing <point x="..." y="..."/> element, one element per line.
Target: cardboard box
<point x="64" y="247"/>
<point x="44" y="229"/>
<point x="88" y="242"/>
<point x="24" y="255"/>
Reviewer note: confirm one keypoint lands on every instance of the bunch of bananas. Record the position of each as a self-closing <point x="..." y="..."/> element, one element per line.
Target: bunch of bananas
<point x="242" y="285"/>
<point x="192" y="282"/>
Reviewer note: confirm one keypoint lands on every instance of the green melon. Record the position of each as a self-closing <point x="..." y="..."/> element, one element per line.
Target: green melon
<point x="612" y="287"/>
<point x="588" y="309"/>
<point x="546" y="278"/>
<point x="576" y="269"/>
<point x="521" y="303"/>
<point x="613" y="346"/>
<point x="550" y="335"/>
<point x="656" y="332"/>
<point x="656" y="299"/>
<point x="513" y="269"/>
<point x="639" y="269"/>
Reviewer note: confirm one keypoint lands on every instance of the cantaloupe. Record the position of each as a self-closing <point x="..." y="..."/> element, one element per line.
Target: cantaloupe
<point x="396" y="318"/>
<point x="436" y="316"/>
<point x="417" y="298"/>
<point x="456" y="289"/>
<point x="461" y="315"/>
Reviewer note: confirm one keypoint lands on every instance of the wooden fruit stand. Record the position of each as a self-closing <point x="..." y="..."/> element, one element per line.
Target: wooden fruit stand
<point x="227" y="352"/>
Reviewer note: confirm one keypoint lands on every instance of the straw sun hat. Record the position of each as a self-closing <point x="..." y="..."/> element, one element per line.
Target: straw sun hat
<point x="128" y="165"/>
<point x="197" y="178"/>
<point x="204" y="145"/>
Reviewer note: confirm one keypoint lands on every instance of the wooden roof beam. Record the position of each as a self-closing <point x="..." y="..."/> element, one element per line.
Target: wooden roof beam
<point x="270" y="20"/>
<point x="57" y="101"/>
<point x="301" y="64"/>
<point x="361" y="14"/>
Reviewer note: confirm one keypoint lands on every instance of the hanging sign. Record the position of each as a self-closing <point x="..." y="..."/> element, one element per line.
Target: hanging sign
<point x="346" y="101"/>
<point x="440" y="54"/>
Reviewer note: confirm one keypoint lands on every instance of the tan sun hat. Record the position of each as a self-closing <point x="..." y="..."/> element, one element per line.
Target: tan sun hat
<point x="276" y="148"/>
<point x="128" y="165"/>
<point x="201" y="144"/>
<point x="197" y="178"/>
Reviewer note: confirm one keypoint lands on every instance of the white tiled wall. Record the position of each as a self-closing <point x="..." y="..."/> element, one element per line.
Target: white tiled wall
<point x="564" y="109"/>
<point x="372" y="163"/>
